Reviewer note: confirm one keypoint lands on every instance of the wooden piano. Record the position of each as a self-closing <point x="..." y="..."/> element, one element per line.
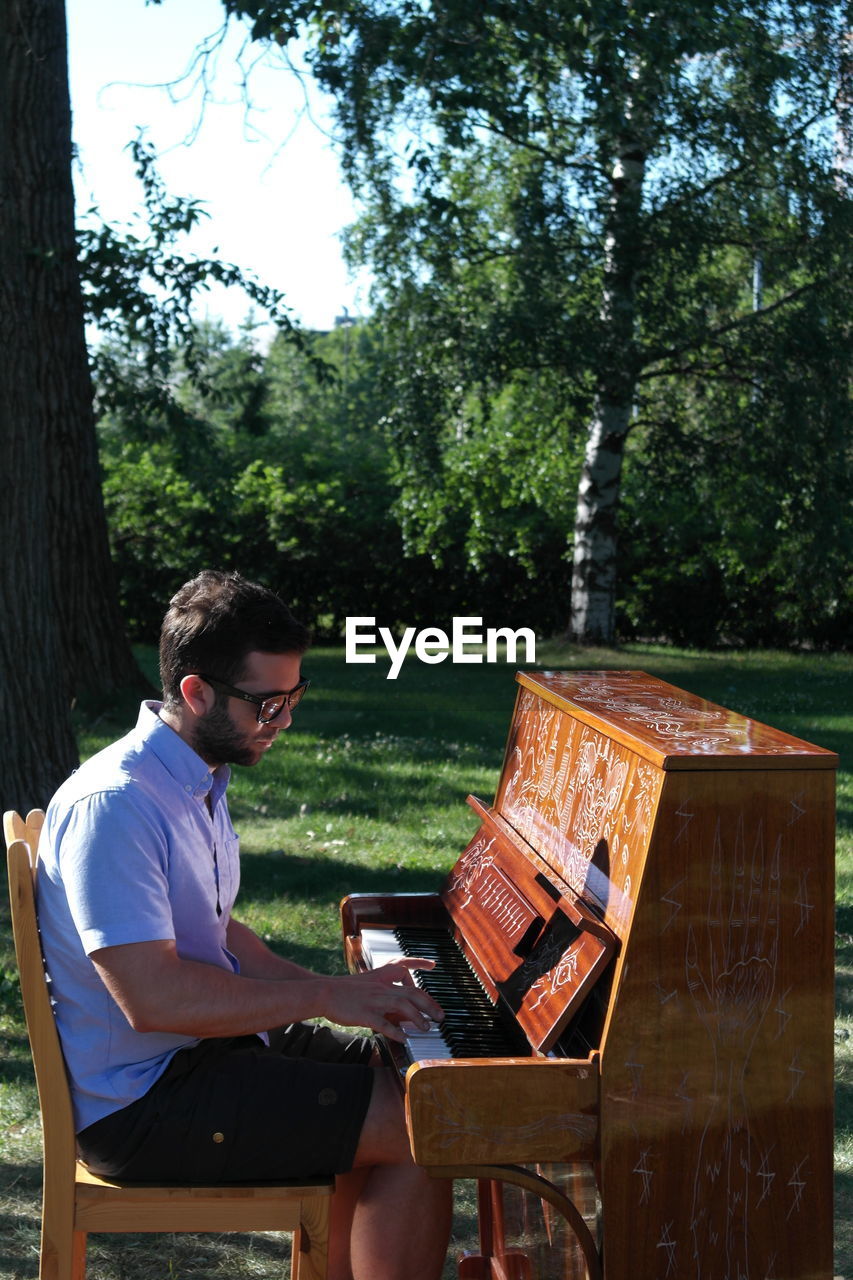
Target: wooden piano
<point x="646" y="912"/>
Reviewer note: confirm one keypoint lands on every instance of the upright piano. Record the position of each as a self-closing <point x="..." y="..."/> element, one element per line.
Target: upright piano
<point x="639" y="938"/>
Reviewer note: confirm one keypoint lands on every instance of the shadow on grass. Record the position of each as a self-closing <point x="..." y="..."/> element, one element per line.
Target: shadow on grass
<point x="320" y="883"/>
<point x="22" y="1176"/>
<point x="20" y="1218"/>
<point x="263" y="879"/>
<point x="844" y="1226"/>
<point x="844" y="921"/>
<point x="359" y="789"/>
<point x="425" y="701"/>
<point x="15" y="1071"/>
<point x="844" y="1102"/>
<point x="844" y="961"/>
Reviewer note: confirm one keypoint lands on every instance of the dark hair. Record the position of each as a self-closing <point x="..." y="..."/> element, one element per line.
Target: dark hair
<point x="214" y="621"/>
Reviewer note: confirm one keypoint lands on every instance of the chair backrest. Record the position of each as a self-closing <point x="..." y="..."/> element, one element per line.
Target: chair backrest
<point x="52" y="1083"/>
<point x="17" y="828"/>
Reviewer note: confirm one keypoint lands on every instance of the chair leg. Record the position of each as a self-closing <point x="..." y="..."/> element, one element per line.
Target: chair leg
<point x="310" y="1256"/>
<point x="63" y="1250"/>
<point x="57" y="1263"/>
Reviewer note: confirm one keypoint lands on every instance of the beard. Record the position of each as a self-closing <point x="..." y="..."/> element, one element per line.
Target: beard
<point x="218" y="741"/>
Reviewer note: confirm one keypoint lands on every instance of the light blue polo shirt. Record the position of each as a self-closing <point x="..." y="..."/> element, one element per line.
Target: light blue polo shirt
<point x="131" y="853"/>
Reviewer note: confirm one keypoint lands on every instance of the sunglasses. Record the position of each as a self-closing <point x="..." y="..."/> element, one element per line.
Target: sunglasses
<point x="269" y="705"/>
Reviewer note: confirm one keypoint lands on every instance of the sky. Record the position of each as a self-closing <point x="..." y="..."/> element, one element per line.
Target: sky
<point x="267" y="175"/>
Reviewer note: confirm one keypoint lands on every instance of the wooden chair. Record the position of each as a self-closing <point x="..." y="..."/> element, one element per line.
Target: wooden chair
<point x="74" y="1200"/>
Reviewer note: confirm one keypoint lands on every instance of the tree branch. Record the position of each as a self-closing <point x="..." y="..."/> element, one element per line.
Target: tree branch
<point x="731" y="326"/>
<point x="723" y="178"/>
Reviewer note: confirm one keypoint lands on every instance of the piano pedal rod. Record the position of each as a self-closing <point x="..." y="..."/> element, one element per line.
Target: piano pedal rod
<point x="538" y="1186"/>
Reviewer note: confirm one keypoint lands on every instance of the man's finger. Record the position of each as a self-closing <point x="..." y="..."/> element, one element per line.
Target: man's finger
<point x="416" y="962"/>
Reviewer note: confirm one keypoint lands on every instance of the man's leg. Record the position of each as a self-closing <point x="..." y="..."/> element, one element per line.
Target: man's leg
<point x="390" y="1219"/>
<point x="348" y="1188"/>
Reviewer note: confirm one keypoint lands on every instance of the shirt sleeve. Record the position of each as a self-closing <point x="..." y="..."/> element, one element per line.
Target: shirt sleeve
<point x="113" y="858"/>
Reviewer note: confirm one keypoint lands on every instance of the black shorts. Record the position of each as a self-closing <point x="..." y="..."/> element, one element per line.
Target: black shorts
<point x="237" y="1110"/>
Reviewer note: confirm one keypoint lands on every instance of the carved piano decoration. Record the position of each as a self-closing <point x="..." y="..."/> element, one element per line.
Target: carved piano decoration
<point x="645" y="916"/>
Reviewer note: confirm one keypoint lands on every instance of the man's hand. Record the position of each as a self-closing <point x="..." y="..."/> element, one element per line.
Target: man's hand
<point x="388" y="996"/>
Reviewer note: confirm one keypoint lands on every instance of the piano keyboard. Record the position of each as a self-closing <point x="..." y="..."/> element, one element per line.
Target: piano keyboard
<point x="472" y="1027"/>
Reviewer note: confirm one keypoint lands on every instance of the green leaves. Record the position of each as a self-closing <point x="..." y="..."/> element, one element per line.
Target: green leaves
<point x="140" y="290"/>
<point x="572" y="210"/>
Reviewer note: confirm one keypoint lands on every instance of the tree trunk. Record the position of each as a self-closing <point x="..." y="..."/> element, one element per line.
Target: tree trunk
<point x="96" y="654"/>
<point x="594" y="561"/>
<point x="595" y="545"/>
<point x="60" y="629"/>
<point x="37" y="745"/>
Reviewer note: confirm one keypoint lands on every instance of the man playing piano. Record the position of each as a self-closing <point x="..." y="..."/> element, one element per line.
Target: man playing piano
<point x="164" y="1001"/>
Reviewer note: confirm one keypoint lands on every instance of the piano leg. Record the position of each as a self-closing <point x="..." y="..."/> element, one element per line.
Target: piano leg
<point x="489" y="1264"/>
<point x="494" y="1261"/>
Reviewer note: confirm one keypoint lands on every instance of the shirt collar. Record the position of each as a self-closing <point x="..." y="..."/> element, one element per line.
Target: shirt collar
<point x="185" y="765"/>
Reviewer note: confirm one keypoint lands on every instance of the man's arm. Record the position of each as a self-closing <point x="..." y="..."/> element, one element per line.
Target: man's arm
<point x="256" y="958"/>
<point x="157" y="990"/>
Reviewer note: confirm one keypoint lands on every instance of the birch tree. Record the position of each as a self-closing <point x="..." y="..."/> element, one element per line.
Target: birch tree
<point x="654" y="136"/>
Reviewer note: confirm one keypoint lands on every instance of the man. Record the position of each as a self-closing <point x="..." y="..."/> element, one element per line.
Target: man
<point x="164" y="1000"/>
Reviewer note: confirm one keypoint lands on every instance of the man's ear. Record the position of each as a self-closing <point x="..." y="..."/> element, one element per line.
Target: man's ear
<point x="197" y="694"/>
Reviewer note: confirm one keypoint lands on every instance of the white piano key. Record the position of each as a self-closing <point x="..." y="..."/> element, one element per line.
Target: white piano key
<point x="380" y="947"/>
<point x="424" y="1044"/>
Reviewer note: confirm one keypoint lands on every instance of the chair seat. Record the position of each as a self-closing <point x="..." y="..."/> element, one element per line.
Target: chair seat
<point x="104" y="1205"/>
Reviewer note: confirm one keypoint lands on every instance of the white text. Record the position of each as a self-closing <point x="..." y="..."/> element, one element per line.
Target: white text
<point x="432" y="644"/>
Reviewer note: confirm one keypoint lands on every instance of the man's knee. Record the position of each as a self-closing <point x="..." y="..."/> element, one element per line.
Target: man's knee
<point x="383" y="1135"/>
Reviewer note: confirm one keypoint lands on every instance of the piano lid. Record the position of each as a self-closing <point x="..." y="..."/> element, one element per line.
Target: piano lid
<point x="669" y="727"/>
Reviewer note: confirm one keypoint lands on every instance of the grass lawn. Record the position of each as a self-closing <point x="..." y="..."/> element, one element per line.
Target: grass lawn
<point x="367" y="791"/>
